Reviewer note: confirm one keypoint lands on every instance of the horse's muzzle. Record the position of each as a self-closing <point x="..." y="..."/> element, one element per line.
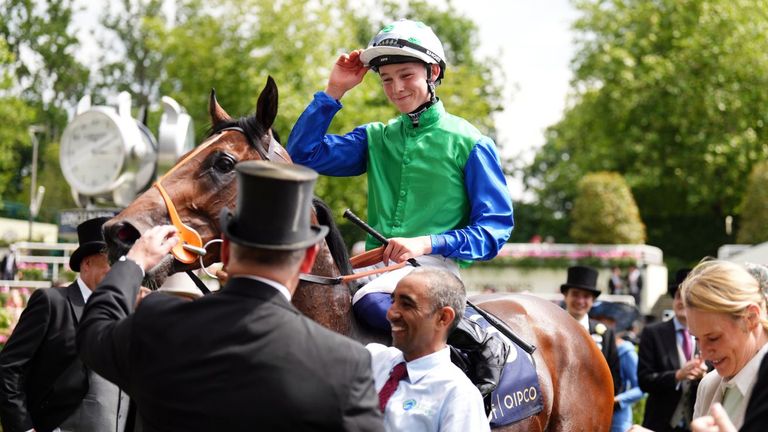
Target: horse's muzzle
<point x="119" y="236"/>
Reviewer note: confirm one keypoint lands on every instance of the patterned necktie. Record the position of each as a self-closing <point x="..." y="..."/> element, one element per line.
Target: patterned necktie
<point x="686" y="344"/>
<point x="398" y="372"/>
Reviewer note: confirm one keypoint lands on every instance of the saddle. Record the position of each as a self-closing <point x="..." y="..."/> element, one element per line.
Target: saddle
<point x="479" y="353"/>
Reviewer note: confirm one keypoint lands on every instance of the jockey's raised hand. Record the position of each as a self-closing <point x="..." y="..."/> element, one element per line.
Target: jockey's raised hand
<point x="400" y="249"/>
<point x="153" y="246"/>
<point x="347" y="72"/>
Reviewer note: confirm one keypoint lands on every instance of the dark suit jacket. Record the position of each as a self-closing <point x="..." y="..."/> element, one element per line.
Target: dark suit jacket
<point x="242" y="359"/>
<point x="658" y="360"/>
<point x="607" y="343"/>
<point x="9" y="273"/>
<point x="42" y="381"/>
<point x="756" y="417"/>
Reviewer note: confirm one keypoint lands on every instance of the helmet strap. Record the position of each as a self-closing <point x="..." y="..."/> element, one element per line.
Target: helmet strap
<point x="430" y="84"/>
<point x="415" y="115"/>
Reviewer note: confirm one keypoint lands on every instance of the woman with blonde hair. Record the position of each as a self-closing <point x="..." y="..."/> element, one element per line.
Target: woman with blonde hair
<point x="726" y="310"/>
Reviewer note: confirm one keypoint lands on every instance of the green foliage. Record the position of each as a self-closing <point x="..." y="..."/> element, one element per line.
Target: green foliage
<point x="57" y="191"/>
<point x="754" y="207"/>
<point x="231" y="46"/>
<point x="671" y="94"/>
<point x="137" y="28"/>
<point x="297" y="45"/>
<point x="32" y="274"/>
<point x="49" y="73"/>
<point x="37" y="88"/>
<point x="16" y="115"/>
<point x="533" y="219"/>
<point x="605" y="212"/>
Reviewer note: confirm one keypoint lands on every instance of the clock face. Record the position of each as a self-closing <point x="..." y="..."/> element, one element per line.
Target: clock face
<point x="92" y="152"/>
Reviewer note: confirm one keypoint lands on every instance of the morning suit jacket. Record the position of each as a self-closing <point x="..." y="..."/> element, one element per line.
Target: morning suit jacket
<point x="756" y="417"/>
<point x="607" y="344"/>
<point x="658" y="360"/>
<point x="242" y="359"/>
<point x="42" y="380"/>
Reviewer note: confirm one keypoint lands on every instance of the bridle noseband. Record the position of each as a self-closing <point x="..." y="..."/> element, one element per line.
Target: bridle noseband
<point x="190" y="247"/>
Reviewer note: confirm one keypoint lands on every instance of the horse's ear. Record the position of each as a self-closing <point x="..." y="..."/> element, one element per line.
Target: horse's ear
<point x="266" y="108"/>
<point x="218" y="115"/>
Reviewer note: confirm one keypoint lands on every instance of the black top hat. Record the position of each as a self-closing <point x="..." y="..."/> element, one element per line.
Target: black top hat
<point x="274" y="205"/>
<point x="680" y="276"/>
<point x="621" y="313"/>
<point x="581" y="277"/>
<point x="91" y="238"/>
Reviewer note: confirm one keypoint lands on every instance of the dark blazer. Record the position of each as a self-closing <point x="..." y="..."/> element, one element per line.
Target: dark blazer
<point x="8" y="273"/>
<point x="242" y="359"/>
<point x="607" y="344"/>
<point x="658" y="360"/>
<point x="756" y="417"/>
<point x="42" y="381"/>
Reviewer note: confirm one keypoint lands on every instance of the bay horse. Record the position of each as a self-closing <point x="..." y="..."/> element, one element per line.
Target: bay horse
<point x="576" y="385"/>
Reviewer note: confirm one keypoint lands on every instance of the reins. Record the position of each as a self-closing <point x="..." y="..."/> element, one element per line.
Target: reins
<point x="365" y="259"/>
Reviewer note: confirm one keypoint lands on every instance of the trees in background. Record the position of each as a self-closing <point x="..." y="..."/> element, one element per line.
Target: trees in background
<point x="185" y="48"/>
<point x="671" y="94"/>
<point x="753" y="228"/>
<point x="604" y="211"/>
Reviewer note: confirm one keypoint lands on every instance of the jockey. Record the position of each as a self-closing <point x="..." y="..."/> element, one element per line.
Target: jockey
<point x="436" y="188"/>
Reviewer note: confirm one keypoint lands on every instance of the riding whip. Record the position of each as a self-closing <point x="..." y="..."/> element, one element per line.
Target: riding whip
<point x="349" y="215"/>
<point x="500" y="325"/>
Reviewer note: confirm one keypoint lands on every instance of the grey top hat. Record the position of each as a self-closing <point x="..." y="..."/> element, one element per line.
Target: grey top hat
<point x="274" y="207"/>
<point x="581" y="277"/>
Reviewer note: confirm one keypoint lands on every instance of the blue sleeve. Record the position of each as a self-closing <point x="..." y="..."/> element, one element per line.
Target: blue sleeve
<point x="632" y="393"/>
<point x="491" y="217"/>
<point x="334" y="155"/>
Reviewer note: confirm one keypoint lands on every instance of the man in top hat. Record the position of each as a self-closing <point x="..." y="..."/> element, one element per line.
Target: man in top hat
<point x="580" y="291"/>
<point x="43" y="384"/>
<point x="245" y="358"/>
<point x="668" y="369"/>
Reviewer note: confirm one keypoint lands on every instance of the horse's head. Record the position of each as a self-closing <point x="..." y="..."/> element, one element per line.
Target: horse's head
<point x="201" y="183"/>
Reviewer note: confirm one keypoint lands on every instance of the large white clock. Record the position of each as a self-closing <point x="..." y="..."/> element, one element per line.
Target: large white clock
<point x="93" y="151"/>
<point x="106" y="153"/>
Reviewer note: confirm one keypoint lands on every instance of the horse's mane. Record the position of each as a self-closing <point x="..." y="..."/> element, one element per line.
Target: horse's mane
<point x="250" y="124"/>
<point x="335" y="242"/>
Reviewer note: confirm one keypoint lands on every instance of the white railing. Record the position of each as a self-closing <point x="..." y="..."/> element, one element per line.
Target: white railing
<point x="25" y="254"/>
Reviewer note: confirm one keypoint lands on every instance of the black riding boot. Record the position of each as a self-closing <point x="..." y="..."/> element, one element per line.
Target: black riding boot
<point x="479" y="353"/>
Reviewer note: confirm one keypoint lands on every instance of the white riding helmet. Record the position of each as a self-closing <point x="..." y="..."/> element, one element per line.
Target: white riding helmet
<point x="402" y="42"/>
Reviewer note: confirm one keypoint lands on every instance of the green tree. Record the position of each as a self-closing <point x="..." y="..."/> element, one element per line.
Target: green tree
<point x="137" y="29"/>
<point x="297" y="45"/>
<point x="754" y="207"/>
<point x="605" y="212"/>
<point x="47" y="79"/>
<point x="672" y="95"/>
<point x="17" y="115"/>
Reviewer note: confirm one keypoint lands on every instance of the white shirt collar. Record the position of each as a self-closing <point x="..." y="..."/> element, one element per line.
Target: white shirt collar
<point x="418" y="368"/>
<point x="279" y="287"/>
<point x="84" y="290"/>
<point x="584" y="321"/>
<point x="745" y="379"/>
<point x="678" y="325"/>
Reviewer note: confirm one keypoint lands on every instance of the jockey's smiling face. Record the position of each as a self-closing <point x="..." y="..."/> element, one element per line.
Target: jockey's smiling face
<point x="405" y="84"/>
<point x="417" y="328"/>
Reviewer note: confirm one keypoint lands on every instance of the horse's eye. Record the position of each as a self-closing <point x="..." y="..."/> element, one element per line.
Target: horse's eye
<point x="224" y="164"/>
